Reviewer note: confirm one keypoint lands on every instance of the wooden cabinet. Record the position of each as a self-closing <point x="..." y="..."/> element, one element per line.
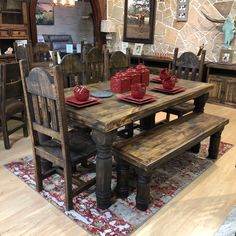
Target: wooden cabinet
<point x="7" y="58"/>
<point x="13" y="22"/>
<point x="154" y="63"/>
<point x="223" y="77"/>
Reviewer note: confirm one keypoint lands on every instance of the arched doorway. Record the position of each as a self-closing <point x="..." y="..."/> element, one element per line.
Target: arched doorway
<point x="96" y="17"/>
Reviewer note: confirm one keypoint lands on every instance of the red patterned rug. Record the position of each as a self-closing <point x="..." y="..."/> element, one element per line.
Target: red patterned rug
<point x="122" y="218"/>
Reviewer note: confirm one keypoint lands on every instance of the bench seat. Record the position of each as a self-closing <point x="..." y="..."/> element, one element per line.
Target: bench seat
<point x="149" y="149"/>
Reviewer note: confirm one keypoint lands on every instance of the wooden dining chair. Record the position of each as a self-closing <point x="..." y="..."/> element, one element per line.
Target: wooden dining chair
<point x="51" y="139"/>
<point x="189" y="67"/>
<point x="118" y="61"/>
<point x="72" y="70"/>
<point x="94" y="66"/>
<point x="39" y="53"/>
<point x="12" y="106"/>
<point x="20" y="52"/>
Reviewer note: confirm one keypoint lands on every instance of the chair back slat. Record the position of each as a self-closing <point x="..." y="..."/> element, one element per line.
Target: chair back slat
<point x="45" y="112"/>
<point x="53" y="112"/>
<point x="36" y="116"/>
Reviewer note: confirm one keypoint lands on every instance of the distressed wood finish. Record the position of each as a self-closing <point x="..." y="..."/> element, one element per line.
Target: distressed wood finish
<point x="38" y="53"/>
<point x="11" y="101"/>
<point x="94" y="66"/>
<point x="111" y="114"/>
<point x="187" y="67"/>
<point x="51" y="140"/>
<point x="222" y="76"/>
<point x="20" y="52"/>
<point x="148" y="150"/>
<point x="72" y="70"/>
<point x="119" y="61"/>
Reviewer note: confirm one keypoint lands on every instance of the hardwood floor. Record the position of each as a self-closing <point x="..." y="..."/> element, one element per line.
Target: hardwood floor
<point x="197" y="211"/>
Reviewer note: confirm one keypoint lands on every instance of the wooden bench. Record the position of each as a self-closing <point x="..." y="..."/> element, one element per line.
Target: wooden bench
<point x="149" y="149"/>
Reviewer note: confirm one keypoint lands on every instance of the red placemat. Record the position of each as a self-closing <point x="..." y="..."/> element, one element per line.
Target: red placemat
<point x="176" y="89"/>
<point x="146" y="99"/>
<point x="74" y="102"/>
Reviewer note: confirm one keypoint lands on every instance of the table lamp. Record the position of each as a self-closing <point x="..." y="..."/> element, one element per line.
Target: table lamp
<point x="108" y="27"/>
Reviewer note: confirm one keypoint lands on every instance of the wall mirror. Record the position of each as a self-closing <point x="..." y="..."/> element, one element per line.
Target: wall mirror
<point x="139" y="21"/>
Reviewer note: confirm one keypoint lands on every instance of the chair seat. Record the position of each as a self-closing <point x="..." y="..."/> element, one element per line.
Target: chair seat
<point x="81" y="147"/>
<point x="181" y="109"/>
<point x="13" y="106"/>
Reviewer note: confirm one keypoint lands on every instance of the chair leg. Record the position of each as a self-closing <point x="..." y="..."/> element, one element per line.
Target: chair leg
<point x="68" y="187"/>
<point x="122" y="187"/>
<point x="5" y="134"/>
<point x="38" y="173"/>
<point x="25" y="127"/>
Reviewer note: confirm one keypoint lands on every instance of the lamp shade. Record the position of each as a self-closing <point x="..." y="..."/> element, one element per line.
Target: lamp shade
<point x="107" y="26"/>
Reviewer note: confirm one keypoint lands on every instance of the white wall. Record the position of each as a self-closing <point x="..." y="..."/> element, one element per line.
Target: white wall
<point x="67" y="20"/>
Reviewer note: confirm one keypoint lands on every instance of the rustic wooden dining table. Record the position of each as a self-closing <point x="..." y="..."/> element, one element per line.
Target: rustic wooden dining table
<point x="106" y="117"/>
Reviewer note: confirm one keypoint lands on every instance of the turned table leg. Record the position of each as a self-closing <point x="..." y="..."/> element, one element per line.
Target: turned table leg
<point x="103" y="167"/>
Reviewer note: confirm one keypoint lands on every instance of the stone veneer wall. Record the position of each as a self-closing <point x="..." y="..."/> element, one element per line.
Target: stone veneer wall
<point x="187" y="36"/>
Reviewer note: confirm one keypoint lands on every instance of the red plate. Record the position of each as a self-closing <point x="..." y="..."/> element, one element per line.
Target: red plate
<point x="156" y="79"/>
<point x="74" y="102"/>
<point x="146" y="99"/>
<point x="176" y="89"/>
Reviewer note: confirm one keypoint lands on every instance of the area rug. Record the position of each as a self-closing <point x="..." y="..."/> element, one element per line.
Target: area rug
<point x="228" y="228"/>
<point x="122" y="218"/>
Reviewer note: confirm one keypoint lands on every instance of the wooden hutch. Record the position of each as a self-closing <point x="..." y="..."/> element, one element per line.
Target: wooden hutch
<point x="13" y="24"/>
<point x="223" y="77"/>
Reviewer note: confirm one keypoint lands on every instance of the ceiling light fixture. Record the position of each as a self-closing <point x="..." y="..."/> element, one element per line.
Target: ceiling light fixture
<point x="66" y="3"/>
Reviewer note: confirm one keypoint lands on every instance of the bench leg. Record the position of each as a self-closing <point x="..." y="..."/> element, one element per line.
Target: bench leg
<point x="196" y="148"/>
<point x="143" y="191"/>
<point x="214" y="145"/>
<point x="122" y="187"/>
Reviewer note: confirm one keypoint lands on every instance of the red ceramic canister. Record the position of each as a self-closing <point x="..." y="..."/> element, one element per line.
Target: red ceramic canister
<point x="115" y="84"/>
<point x="134" y="75"/>
<point x="145" y="73"/>
<point x="120" y="83"/>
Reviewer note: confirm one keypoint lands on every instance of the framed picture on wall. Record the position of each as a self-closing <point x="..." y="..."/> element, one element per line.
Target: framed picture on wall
<point x="44" y="14"/>
<point x="226" y="56"/>
<point x="139" y="21"/>
<point x="182" y="10"/>
<point x="138" y="48"/>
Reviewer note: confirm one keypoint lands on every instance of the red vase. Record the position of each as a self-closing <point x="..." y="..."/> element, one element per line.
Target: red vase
<point x="144" y="72"/>
<point x="81" y="93"/>
<point x="164" y="74"/>
<point x="120" y="83"/>
<point x="169" y="83"/>
<point x="138" y="90"/>
<point x="134" y="75"/>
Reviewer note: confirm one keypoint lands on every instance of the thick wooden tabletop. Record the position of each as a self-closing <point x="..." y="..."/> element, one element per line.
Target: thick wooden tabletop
<point x="113" y="113"/>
